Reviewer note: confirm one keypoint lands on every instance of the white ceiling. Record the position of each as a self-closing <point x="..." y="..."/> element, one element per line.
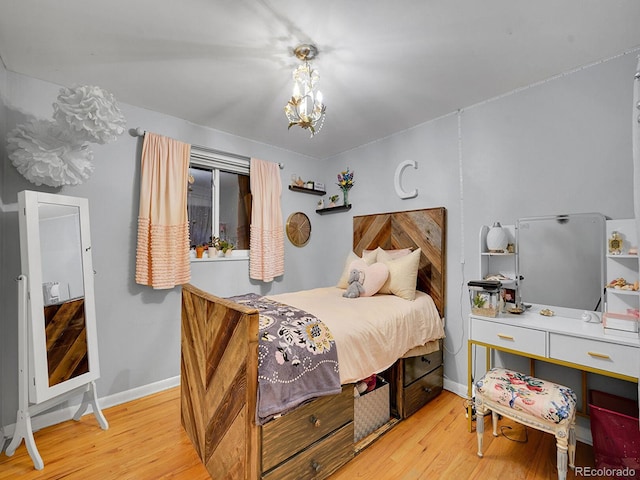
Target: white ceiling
<point x="385" y="66"/>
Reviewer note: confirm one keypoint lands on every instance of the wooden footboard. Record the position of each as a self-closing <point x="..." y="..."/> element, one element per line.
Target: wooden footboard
<point x="219" y="366"/>
<point x="219" y="383"/>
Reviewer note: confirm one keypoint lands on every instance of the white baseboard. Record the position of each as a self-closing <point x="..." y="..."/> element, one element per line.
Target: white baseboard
<point x="454" y="387"/>
<point x="62" y="415"/>
<point x="138" y="392"/>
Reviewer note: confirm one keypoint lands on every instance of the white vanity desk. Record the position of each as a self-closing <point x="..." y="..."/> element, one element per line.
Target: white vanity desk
<point x="563" y="339"/>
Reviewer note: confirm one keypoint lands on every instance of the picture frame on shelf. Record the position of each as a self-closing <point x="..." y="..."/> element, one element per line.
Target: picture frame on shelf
<point x="509" y="297"/>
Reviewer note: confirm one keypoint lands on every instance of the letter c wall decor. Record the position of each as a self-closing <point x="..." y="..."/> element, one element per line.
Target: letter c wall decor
<point x="398" y="177"/>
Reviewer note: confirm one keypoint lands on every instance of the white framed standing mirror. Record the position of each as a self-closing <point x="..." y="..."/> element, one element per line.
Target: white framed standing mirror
<point x="58" y="340"/>
<point x="56" y="258"/>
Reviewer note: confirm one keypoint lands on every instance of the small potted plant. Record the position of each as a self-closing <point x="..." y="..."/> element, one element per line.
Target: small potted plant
<point x="223" y="247"/>
<point x="332" y="200"/>
<point x="200" y="250"/>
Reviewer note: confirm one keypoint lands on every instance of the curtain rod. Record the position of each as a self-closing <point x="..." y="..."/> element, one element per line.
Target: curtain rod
<point x="139" y="132"/>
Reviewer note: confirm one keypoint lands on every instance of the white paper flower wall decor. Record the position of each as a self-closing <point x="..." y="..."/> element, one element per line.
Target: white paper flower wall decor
<point x="90" y="113"/>
<point x="56" y="152"/>
<point x="46" y="155"/>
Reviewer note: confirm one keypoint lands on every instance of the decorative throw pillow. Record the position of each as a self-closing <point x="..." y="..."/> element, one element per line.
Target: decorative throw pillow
<point x="403" y="274"/>
<point x="393" y="253"/>
<point x="369" y="258"/>
<point x="374" y="276"/>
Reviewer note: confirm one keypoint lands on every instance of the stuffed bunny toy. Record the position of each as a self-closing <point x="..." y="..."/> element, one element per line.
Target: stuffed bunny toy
<point x="355" y="288"/>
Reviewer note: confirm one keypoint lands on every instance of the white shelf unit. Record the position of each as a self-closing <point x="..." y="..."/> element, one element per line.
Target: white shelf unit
<point x="498" y="263"/>
<point x="621" y="304"/>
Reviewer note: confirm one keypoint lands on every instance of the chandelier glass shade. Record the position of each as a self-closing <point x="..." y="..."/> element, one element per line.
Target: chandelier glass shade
<point x="305" y="108"/>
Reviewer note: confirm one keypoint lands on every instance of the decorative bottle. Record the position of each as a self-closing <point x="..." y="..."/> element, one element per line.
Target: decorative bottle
<point x="615" y="244"/>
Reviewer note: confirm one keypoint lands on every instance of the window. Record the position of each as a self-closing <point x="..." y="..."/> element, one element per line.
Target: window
<point x="219" y="198"/>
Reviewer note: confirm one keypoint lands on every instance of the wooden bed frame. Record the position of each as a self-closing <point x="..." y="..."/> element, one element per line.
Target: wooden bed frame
<point x="219" y="369"/>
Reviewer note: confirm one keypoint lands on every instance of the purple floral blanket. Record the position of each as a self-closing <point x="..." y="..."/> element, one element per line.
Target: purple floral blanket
<point x="297" y="357"/>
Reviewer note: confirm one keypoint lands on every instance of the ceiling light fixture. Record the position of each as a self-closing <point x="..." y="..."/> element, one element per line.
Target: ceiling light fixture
<point x="305" y="108"/>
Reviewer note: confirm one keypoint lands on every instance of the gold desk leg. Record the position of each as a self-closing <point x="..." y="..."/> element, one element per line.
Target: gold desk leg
<point x="488" y="358"/>
<point x="469" y="386"/>
<point x="584" y="393"/>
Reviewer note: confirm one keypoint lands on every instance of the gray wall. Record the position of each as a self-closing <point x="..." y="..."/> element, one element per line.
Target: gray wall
<point x="3" y="229"/>
<point x="562" y="146"/>
<point x="138" y="328"/>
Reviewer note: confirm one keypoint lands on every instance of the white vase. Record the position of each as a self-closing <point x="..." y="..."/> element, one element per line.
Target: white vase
<point x="497" y="238"/>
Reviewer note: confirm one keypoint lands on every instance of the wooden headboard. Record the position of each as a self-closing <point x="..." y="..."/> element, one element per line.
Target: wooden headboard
<point x="425" y="229"/>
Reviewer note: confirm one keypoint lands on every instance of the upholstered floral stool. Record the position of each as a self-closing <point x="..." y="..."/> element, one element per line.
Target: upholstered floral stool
<point x="542" y="405"/>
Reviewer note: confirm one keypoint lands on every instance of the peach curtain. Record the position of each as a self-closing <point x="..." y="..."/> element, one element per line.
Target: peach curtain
<point x="162" y="257"/>
<point x="266" y="257"/>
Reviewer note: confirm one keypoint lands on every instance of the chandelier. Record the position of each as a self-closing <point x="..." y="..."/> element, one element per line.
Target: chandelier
<point x="305" y="108"/>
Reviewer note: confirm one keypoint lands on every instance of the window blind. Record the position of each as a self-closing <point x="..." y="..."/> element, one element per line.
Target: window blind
<point x="227" y="162"/>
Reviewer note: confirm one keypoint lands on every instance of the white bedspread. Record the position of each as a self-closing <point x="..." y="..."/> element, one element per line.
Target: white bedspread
<point x="371" y="333"/>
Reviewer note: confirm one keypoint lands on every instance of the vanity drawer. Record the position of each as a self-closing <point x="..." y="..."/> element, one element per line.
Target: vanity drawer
<point x="416" y="367"/>
<point x="422" y="391"/>
<point x="318" y="461"/>
<point x="512" y="337"/>
<point x="296" y="430"/>
<point x="611" y="357"/>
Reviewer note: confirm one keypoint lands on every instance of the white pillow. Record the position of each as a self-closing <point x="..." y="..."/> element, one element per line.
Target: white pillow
<point x="393" y="253"/>
<point x="403" y="274"/>
<point x="369" y="257"/>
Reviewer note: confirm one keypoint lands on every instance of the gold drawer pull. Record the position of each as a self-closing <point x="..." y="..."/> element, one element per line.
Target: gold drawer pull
<point x="599" y="355"/>
<point x="315" y="421"/>
<point x="505" y="337"/>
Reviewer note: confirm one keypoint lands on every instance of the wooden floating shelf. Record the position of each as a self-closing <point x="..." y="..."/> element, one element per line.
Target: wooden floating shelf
<point x="339" y="208"/>
<point x="306" y="190"/>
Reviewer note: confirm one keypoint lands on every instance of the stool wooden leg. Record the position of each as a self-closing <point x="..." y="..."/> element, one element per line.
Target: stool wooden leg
<point x="479" y="428"/>
<point x="561" y="443"/>
<point x="494" y="423"/>
<point x="572" y="446"/>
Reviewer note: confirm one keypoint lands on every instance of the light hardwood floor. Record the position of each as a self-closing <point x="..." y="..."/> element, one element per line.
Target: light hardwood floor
<point x="146" y="441"/>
